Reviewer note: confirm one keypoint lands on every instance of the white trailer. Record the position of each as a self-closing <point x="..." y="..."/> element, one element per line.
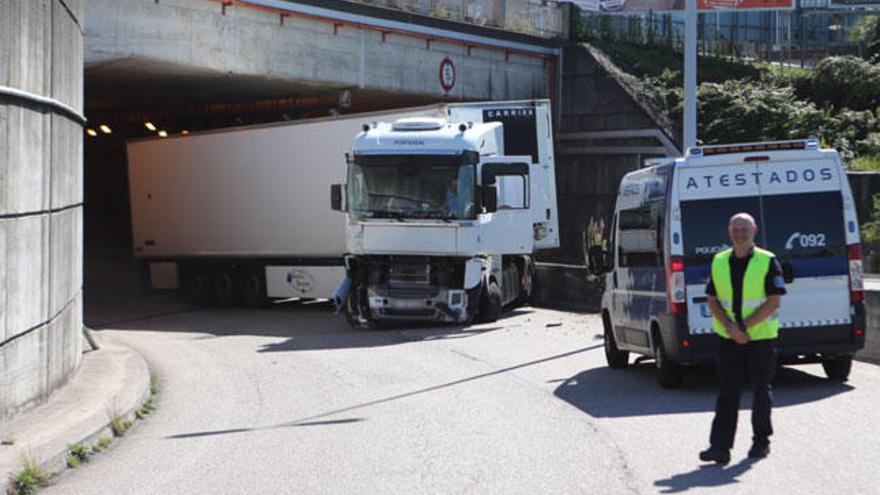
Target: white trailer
<point x="445" y="213"/>
<point x="240" y="215"/>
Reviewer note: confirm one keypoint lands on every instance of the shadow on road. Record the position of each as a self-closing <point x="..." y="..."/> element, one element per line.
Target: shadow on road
<point x="318" y="419"/>
<point x="606" y="393"/>
<point x="707" y="475"/>
<point x="305" y="325"/>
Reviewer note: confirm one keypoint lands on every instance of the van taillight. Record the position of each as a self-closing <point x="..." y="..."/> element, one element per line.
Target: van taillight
<point x="856" y="282"/>
<point x="677" y="292"/>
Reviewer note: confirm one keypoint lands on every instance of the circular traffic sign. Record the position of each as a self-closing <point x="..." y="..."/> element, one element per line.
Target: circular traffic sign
<point x="447" y="74"/>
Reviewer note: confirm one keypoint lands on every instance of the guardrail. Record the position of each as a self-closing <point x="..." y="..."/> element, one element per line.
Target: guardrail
<point x="542" y="18"/>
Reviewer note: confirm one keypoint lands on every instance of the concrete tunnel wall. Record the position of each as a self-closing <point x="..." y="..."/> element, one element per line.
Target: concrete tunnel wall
<point x="41" y="53"/>
<point x="203" y="35"/>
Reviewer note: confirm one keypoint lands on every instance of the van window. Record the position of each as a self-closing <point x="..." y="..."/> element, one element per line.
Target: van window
<point x="640" y="236"/>
<point x="704" y="223"/>
<point x="804" y="225"/>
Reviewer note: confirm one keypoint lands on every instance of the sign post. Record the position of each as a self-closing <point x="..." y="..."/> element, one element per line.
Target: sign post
<point x="689" y="139"/>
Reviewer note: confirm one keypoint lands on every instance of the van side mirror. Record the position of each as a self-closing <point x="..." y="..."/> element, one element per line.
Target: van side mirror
<point x="788" y="273"/>
<point x="489" y="198"/>
<point x="597" y="260"/>
<point x="336" y="197"/>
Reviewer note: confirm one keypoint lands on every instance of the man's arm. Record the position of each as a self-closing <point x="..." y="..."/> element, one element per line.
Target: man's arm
<point x="732" y="328"/>
<point x="765" y="310"/>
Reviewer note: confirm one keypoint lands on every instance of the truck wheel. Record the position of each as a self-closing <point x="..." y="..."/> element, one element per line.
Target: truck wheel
<point x="224" y="288"/>
<point x="196" y="287"/>
<point x="616" y="358"/>
<point x="253" y="288"/>
<point x="838" y="368"/>
<point x="490" y="303"/>
<point x="353" y="313"/>
<point x="669" y="373"/>
<point x="526" y="288"/>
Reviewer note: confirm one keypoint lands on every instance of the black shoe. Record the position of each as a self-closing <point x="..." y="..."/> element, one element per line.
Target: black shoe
<point x="715" y="454"/>
<point x="759" y="450"/>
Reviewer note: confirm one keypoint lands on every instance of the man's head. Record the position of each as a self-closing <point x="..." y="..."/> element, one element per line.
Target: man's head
<point x="742" y="229"/>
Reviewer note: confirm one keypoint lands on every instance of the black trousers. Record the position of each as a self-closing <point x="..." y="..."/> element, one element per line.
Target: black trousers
<point x="733" y="362"/>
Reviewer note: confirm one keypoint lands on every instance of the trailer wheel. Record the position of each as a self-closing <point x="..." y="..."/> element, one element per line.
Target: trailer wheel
<point x="669" y="373"/>
<point x="196" y="287"/>
<point x="616" y="358"/>
<point x="224" y="288"/>
<point x="838" y="368"/>
<point x="490" y="303"/>
<point x="253" y="287"/>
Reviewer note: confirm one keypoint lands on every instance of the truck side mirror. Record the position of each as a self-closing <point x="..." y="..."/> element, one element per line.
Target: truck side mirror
<point x="336" y="197"/>
<point x="489" y="198"/>
<point x="597" y="260"/>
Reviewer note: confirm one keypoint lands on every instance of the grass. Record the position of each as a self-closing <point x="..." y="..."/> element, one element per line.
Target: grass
<point x="102" y="444"/>
<point x="652" y="60"/>
<point x="78" y="454"/>
<point x="154" y="384"/>
<point x="31" y="478"/>
<point x="119" y="424"/>
<point x="865" y="163"/>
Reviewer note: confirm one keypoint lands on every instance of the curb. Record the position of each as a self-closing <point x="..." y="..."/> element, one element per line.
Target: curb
<point x="115" y="377"/>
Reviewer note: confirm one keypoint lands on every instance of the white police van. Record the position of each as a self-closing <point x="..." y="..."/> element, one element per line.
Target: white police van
<point x="671" y="218"/>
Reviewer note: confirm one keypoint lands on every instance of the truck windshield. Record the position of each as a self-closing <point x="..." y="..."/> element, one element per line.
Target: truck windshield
<point x="391" y="186"/>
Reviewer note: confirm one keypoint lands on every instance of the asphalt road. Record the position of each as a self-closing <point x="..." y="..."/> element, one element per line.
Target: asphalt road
<point x="290" y="400"/>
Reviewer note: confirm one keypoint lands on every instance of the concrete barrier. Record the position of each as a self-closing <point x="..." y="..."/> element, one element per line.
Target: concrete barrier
<point x="871" y="352"/>
<point x="566" y="287"/>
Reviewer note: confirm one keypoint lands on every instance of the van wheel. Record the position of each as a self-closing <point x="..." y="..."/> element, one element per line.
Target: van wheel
<point x="490" y="303"/>
<point x="616" y="358"/>
<point x="196" y="287"/>
<point x="838" y="368"/>
<point x="669" y="373"/>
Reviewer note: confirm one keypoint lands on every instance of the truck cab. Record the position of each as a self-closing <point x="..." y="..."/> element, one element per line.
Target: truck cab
<point x="444" y="214"/>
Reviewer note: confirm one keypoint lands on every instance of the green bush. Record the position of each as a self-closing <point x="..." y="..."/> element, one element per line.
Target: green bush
<point x="846" y="82"/>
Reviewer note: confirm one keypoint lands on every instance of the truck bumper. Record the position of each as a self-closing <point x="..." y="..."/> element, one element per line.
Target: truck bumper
<point x="795" y="345"/>
<point x="431" y="303"/>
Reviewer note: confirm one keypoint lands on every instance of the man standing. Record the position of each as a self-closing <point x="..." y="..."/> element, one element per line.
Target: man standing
<point x="743" y="296"/>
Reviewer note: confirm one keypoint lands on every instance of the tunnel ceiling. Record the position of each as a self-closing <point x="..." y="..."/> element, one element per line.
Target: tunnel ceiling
<point x="131" y="91"/>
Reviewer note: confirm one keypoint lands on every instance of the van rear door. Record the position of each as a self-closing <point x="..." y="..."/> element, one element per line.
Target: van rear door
<point x="710" y="191"/>
<point x="803" y="224"/>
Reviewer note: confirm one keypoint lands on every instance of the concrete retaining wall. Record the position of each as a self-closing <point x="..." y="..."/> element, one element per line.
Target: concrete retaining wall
<point x="40" y="201"/>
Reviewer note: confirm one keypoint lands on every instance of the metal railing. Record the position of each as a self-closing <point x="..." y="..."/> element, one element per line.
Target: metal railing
<point x="543" y="18"/>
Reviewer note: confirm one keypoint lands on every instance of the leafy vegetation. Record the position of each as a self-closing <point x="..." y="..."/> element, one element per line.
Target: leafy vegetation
<point x="78" y="453"/>
<point x="31" y="478"/>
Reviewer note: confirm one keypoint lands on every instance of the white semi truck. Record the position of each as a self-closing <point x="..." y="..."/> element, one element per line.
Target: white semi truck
<point x="240" y="215"/>
<point x="444" y="214"/>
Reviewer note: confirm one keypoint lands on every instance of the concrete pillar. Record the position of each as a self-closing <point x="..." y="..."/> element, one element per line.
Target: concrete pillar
<point x="41" y="55"/>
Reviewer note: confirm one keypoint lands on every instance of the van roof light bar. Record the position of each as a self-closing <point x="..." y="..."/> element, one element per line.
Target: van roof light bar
<point x="724" y="149"/>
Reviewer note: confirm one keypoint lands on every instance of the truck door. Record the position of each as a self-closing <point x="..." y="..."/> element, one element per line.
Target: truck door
<point x="708" y="196"/>
<point x="803" y="224"/>
<point x="509" y="229"/>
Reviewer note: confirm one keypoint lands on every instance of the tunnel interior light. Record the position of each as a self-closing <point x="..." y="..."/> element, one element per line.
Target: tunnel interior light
<point x="150" y="126"/>
<point x="91" y="132"/>
<point x="163" y="133"/>
<point x="105" y="129"/>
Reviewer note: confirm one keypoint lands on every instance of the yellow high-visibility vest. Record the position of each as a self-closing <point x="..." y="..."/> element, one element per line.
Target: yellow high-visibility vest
<point x="753" y="293"/>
